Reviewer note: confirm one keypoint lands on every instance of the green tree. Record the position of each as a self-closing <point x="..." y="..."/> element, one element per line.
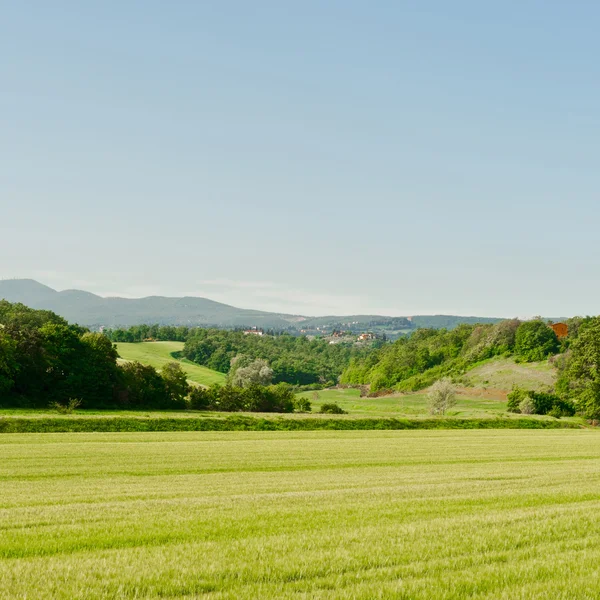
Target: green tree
<point x="8" y="363"/>
<point x="257" y="372"/>
<point x="176" y="383"/>
<point x="143" y="387"/>
<point x="582" y="373"/>
<point x="534" y="341"/>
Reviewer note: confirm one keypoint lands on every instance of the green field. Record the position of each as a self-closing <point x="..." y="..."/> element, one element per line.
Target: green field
<point x="424" y="514"/>
<point x="503" y="373"/>
<point x="404" y="405"/>
<point x="158" y="354"/>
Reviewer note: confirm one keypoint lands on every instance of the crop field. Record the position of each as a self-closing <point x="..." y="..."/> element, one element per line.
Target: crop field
<point x="247" y="515"/>
<point x="158" y="354"/>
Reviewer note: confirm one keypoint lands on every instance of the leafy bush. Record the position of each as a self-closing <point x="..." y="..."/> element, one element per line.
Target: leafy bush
<point x="555" y="412"/>
<point x="332" y="409"/>
<point x="302" y="405"/>
<point x="564" y="408"/>
<point x="442" y="396"/>
<point x="534" y="341"/>
<point x="68" y="408"/>
<point x="527" y="406"/>
<point x="539" y="403"/>
<point x="273" y="398"/>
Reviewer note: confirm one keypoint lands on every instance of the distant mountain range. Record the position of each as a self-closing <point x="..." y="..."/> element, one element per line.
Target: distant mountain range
<point x="95" y="311"/>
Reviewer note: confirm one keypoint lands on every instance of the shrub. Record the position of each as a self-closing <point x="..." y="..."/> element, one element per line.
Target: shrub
<point x="68" y="408"/>
<point x="302" y="405"/>
<point x="442" y="396"/>
<point x="256" y="398"/>
<point x="539" y="403"/>
<point x="515" y="398"/>
<point x="200" y="398"/>
<point x="143" y="387"/>
<point x="527" y="406"/>
<point x="563" y="407"/>
<point x="555" y="412"/>
<point x="534" y="340"/>
<point x="332" y="409"/>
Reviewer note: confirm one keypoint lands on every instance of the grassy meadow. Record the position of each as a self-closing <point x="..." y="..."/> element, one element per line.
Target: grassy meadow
<point x="405" y="405"/>
<point x="158" y="354"/>
<point x="410" y="514"/>
<point x="502" y="373"/>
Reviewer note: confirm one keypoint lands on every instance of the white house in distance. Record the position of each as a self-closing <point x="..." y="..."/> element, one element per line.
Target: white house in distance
<point x="364" y="337"/>
<point x="254" y="331"/>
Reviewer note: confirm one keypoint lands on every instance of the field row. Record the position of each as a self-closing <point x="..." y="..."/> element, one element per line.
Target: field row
<point x="420" y="515"/>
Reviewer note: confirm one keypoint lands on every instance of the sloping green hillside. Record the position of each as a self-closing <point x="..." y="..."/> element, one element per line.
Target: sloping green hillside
<point x="503" y="373"/>
<point x="158" y="354"/>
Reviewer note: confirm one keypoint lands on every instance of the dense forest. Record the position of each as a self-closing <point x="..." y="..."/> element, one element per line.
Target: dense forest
<point x="297" y="360"/>
<point x="46" y="362"/>
<point x="293" y="359"/>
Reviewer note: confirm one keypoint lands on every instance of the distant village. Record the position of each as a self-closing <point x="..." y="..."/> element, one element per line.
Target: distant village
<point x="334" y="337"/>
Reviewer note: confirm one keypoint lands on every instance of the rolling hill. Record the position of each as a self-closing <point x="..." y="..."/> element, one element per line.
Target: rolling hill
<point x="94" y="311"/>
<point x="158" y="354"/>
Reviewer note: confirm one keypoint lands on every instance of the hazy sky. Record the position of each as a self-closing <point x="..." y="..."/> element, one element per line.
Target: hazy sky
<point x="309" y="156"/>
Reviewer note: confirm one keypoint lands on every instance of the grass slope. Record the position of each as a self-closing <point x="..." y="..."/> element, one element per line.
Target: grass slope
<point x="502" y="373"/>
<point x="335" y="515"/>
<point x="158" y="354"/>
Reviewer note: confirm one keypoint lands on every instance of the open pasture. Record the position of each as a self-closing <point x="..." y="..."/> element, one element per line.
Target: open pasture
<point x="422" y="514"/>
<point x="158" y="354"/>
<point x="405" y="405"/>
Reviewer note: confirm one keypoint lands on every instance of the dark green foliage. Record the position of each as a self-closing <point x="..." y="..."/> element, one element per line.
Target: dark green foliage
<point x="45" y="361"/>
<point x="332" y="409"/>
<point x="244" y="423"/>
<point x="143" y="387"/>
<point x="176" y="384"/>
<point x="255" y="398"/>
<point x="294" y="360"/>
<point x="543" y="403"/>
<point x="580" y="378"/>
<point x="139" y="333"/>
<point x="302" y="405"/>
<point x="534" y="341"/>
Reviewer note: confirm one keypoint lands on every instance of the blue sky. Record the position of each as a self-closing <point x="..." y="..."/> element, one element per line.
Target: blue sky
<point x="313" y="157"/>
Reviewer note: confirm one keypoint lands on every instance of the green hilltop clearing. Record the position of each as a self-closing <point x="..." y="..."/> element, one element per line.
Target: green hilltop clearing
<point x="158" y="354"/>
<point x="323" y="515"/>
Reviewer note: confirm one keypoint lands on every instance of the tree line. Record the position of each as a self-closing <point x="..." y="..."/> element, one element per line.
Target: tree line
<point x="45" y="361"/>
<point x="418" y="361"/>
<point x="295" y="360"/>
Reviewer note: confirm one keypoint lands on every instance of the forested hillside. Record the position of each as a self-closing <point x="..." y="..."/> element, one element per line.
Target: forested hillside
<point x="417" y="361"/>
<point x="45" y="361"/>
<point x="295" y="360"/>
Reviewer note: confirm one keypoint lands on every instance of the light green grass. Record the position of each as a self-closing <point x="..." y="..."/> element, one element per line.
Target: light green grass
<point x="502" y="373"/>
<point x="396" y="406"/>
<point x="158" y="354"/>
<point x="404" y="405"/>
<point x="324" y="515"/>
